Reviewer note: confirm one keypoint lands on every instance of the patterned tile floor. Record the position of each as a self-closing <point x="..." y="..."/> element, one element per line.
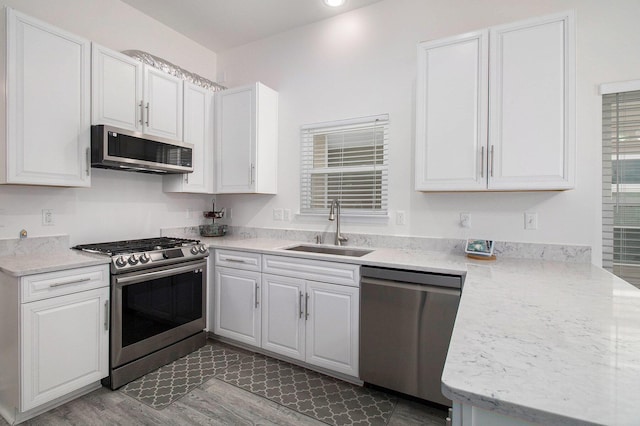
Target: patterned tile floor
<point x="324" y="398"/>
<point x="163" y="386"/>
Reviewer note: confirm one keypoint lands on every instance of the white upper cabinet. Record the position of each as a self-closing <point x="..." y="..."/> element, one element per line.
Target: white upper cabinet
<point x="496" y="108"/>
<point x="532" y="105"/>
<point x="162" y="104"/>
<point x="198" y="130"/>
<point x="116" y="89"/>
<point x="246" y="140"/>
<point x="45" y="115"/>
<point x="452" y="114"/>
<point x="135" y="96"/>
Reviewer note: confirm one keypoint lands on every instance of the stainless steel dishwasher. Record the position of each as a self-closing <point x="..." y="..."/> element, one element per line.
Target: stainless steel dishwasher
<point x="406" y="320"/>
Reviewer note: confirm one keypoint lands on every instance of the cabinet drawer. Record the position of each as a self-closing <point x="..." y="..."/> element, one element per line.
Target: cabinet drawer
<point x="238" y="259"/>
<point x="58" y="283"/>
<point x="316" y="270"/>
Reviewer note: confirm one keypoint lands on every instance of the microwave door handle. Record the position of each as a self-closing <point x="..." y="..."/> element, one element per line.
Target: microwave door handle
<point x="123" y="281"/>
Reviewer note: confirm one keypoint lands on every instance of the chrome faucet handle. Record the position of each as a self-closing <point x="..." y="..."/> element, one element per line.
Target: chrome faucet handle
<point x="318" y="238"/>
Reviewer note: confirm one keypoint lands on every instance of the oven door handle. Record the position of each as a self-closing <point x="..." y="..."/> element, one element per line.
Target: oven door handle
<point x="158" y="274"/>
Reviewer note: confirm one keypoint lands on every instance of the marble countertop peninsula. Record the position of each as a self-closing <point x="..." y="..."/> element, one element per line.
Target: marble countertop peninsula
<point x="547" y="342"/>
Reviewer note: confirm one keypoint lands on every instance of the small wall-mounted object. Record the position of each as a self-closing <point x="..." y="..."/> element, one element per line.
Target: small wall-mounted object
<point x="213" y="229"/>
<point x="480" y="249"/>
<point x="23" y="234"/>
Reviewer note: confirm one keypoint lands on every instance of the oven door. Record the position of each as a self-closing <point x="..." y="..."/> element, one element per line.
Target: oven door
<point x="154" y="308"/>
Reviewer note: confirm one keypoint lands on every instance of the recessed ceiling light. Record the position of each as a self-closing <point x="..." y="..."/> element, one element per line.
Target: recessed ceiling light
<point x="334" y="3"/>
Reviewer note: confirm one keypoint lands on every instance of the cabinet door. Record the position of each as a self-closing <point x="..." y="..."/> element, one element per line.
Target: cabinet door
<point x="531" y="131"/>
<point x="283" y="321"/>
<point x="237" y="311"/>
<point x="235" y="140"/>
<point x="332" y="327"/>
<point x="65" y="344"/>
<point x="116" y="88"/>
<point x="162" y="104"/>
<point x="48" y="104"/>
<point x="451" y="108"/>
<point x="198" y="130"/>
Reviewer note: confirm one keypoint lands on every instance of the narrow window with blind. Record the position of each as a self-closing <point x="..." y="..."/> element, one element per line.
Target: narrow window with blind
<point x="621" y="185"/>
<point x="345" y="161"/>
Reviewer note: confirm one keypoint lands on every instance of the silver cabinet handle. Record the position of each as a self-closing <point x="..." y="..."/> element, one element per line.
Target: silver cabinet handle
<point x="491" y="160"/>
<point x="306" y="307"/>
<point x="233" y="260"/>
<point x="60" y="284"/>
<point x="482" y="162"/>
<point x="256" y="295"/>
<point x="300" y="306"/>
<point x="141" y="113"/>
<point x="88" y="155"/>
<point x="147" y="107"/>
<point x="106" y="315"/>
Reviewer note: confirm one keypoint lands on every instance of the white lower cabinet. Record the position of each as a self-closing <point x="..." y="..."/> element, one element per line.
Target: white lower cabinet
<point x="55" y="332"/>
<point x="311" y="321"/>
<point x="237" y="304"/>
<point x="306" y="310"/>
<point x="470" y="415"/>
<point x="283" y="315"/>
<point x="62" y="342"/>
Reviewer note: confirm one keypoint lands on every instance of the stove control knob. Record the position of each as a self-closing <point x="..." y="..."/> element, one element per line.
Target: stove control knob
<point x="144" y="258"/>
<point x="121" y="262"/>
<point x="194" y="250"/>
<point x="203" y="248"/>
<point x="133" y="260"/>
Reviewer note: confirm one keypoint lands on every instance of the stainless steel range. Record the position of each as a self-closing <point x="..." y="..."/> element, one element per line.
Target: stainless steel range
<point x="158" y="296"/>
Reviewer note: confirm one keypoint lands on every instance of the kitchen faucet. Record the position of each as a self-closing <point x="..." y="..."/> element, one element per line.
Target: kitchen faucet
<point x="335" y="204"/>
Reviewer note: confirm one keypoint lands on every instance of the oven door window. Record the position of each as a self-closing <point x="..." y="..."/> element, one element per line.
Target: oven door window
<point x="155" y="306"/>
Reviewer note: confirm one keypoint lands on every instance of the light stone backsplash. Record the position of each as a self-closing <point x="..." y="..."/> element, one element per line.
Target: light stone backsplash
<point x="33" y="245"/>
<point x="540" y="251"/>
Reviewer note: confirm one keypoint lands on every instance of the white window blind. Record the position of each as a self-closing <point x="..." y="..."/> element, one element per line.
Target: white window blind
<point x="621" y="185"/>
<point x="348" y="161"/>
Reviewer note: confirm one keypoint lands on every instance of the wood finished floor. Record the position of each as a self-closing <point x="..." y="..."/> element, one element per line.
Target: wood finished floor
<point x="213" y="403"/>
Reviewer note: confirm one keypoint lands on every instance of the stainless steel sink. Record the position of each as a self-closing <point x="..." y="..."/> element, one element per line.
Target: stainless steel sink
<point x="340" y="251"/>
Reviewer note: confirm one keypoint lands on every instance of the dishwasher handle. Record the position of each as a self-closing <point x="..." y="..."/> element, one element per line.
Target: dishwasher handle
<point x="409" y="286"/>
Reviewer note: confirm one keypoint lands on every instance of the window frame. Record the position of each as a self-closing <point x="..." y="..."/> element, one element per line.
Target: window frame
<point x="308" y="168"/>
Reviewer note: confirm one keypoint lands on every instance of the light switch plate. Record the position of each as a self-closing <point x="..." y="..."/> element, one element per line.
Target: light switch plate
<point x="530" y="221"/>
<point x="277" y="214"/>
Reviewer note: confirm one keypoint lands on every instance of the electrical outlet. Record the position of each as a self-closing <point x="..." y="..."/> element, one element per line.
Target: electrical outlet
<point x="531" y="221"/>
<point x="277" y="214"/>
<point x="401" y="218"/>
<point x="47" y="217"/>
<point x="287" y="215"/>
<point x="465" y="220"/>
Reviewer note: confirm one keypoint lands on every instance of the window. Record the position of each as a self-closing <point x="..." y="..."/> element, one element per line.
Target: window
<point x="621" y="184"/>
<point x="345" y="160"/>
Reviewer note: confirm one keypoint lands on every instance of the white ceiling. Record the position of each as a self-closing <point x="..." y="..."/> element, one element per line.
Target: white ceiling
<point x="223" y="24"/>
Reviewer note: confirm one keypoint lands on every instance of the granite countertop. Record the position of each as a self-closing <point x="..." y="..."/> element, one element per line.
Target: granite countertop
<point x="18" y="265"/>
<point x="547" y="342"/>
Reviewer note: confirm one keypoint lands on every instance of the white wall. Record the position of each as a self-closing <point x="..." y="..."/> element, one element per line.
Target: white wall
<point x="119" y="205"/>
<point x="364" y="63"/>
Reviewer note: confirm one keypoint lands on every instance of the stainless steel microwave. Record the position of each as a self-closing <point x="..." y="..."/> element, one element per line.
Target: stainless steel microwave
<point x="115" y="148"/>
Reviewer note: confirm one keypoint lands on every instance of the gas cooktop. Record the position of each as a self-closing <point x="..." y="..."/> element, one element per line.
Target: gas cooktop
<point x="131" y="255"/>
<point x="132" y="246"/>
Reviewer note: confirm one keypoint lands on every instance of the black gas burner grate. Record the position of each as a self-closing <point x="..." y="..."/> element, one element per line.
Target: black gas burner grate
<point x="134" y="246"/>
